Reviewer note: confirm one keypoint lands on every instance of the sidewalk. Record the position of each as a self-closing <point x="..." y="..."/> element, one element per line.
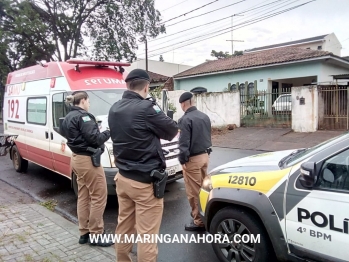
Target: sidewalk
<point x="30" y="232"/>
<point x="270" y="139"/>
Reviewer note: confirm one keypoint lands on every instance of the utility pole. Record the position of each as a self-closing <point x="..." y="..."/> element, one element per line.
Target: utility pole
<point x="146" y="53"/>
<point x="232" y="36"/>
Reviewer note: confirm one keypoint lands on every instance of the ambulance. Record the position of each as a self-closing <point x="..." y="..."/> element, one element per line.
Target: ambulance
<point x="290" y="205"/>
<point x="34" y="106"/>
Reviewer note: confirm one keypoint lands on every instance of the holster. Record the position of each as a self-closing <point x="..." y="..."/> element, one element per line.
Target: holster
<point x="96" y="156"/>
<point x="159" y="184"/>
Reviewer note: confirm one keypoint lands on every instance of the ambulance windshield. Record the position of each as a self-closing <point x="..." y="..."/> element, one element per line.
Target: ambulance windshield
<point x="102" y="100"/>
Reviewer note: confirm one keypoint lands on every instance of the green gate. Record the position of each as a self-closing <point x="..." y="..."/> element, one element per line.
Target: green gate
<point x="265" y="109"/>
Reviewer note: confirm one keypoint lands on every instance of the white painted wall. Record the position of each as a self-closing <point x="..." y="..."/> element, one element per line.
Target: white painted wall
<point x="305" y="117"/>
<point x="223" y="108"/>
<point x="163" y="68"/>
<point x="332" y="44"/>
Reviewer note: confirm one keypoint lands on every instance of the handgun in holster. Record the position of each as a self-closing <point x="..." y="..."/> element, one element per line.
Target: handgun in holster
<point x="159" y="184"/>
<point x="96" y="156"/>
<point x="209" y="150"/>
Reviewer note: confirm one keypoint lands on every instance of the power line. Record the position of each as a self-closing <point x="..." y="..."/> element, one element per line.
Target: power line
<point x="173" y="6"/>
<point x="212" y="22"/>
<point x="272" y="15"/>
<point x="206" y="13"/>
<point x="230" y="27"/>
<point x="190" y="11"/>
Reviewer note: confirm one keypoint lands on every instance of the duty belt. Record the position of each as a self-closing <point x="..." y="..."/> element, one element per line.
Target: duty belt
<point x="208" y="151"/>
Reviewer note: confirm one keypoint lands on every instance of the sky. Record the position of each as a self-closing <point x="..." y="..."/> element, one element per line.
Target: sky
<point x="316" y="18"/>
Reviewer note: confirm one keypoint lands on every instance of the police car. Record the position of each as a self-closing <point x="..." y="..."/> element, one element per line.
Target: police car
<point x="296" y="201"/>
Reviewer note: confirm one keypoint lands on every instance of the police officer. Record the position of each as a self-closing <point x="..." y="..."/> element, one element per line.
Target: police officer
<point x="136" y="126"/>
<point x="194" y="146"/>
<point x="81" y="131"/>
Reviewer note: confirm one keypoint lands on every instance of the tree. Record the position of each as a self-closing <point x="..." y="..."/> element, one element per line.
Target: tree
<point x="161" y="59"/>
<point x="63" y="29"/>
<point x="222" y="55"/>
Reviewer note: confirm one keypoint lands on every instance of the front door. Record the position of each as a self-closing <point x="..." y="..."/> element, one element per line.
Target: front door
<point x="60" y="152"/>
<point x="317" y="219"/>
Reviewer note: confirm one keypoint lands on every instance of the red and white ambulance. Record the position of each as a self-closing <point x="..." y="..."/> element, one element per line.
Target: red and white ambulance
<point x="34" y="102"/>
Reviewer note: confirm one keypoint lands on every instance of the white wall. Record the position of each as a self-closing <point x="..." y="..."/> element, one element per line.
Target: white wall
<point x="222" y="108"/>
<point x="163" y="68"/>
<point x="332" y="44"/>
<point x="305" y="117"/>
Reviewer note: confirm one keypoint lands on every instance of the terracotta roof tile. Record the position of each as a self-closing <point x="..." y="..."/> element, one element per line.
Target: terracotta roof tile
<point x="155" y="78"/>
<point x="262" y="58"/>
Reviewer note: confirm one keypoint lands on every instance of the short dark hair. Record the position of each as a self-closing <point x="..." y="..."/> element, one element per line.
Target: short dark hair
<point x="137" y="85"/>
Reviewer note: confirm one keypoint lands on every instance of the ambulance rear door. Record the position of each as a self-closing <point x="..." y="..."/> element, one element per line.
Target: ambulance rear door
<point x="37" y="101"/>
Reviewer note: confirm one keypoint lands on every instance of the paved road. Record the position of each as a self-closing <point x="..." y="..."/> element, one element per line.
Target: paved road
<point x="44" y="184"/>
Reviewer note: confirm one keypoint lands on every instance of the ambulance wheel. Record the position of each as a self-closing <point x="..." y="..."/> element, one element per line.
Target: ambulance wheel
<point x="20" y="164"/>
<point x="75" y="185"/>
<point x="238" y="226"/>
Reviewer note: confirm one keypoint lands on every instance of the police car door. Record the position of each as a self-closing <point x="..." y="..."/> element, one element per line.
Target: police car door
<point x="317" y="218"/>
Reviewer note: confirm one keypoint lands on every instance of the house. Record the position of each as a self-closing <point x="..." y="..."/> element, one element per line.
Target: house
<point x="268" y="73"/>
<point x="157" y="80"/>
<point x="327" y="42"/>
<point x="158" y="67"/>
<point x="274" y="70"/>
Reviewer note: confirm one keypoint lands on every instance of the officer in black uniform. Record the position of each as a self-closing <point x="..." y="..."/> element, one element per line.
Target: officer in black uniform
<point x="81" y="131"/>
<point x="194" y="146"/>
<point x="136" y="126"/>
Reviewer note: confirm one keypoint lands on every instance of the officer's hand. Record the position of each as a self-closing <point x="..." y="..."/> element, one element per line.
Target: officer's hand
<point x="107" y="132"/>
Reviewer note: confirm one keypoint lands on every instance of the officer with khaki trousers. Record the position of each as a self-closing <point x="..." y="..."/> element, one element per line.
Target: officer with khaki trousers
<point x="136" y="126"/>
<point x="194" y="146"/>
<point x="82" y="133"/>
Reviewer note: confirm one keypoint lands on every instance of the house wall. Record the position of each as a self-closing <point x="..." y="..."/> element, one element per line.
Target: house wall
<point x="219" y="82"/>
<point x="328" y="70"/>
<point x="332" y="44"/>
<point x="222" y="108"/>
<point x="162" y="68"/>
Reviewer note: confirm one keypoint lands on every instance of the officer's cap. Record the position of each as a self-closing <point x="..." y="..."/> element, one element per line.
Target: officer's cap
<point x="137" y="74"/>
<point x="185" y="96"/>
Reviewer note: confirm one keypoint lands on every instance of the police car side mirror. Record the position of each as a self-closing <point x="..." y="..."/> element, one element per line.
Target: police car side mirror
<point x="307" y="177"/>
<point x="170" y="113"/>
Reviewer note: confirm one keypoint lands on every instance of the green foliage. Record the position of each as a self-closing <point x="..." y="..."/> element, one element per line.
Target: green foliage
<point x="156" y="93"/>
<point x="222" y="55"/>
<point x="32" y="30"/>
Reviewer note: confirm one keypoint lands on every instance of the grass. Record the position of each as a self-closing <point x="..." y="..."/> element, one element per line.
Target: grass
<point x="50" y="204"/>
<point x="21" y="238"/>
<point x="40" y="224"/>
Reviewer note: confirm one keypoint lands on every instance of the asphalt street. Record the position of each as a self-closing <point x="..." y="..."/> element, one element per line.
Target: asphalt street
<point x="45" y="185"/>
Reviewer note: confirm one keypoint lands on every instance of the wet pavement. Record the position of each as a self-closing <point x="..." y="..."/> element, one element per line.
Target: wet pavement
<point x="44" y="185"/>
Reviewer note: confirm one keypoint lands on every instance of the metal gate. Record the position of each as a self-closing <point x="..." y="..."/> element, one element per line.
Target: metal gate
<point x="333" y="107"/>
<point x="263" y="109"/>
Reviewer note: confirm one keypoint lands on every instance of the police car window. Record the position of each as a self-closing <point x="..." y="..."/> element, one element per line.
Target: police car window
<point x="334" y="173"/>
<point x="59" y="108"/>
<point x="313" y="150"/>
<point x="102" y="100"/>
<point x="36" y="110"/>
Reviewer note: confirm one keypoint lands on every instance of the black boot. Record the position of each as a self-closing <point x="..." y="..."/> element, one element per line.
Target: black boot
<point x="101" y="243"/>
<point x="193" y="227"/>
<point x="84" y="238"/>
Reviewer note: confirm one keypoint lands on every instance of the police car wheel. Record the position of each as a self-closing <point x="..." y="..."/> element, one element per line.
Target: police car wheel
<point x="20" y="164"/>
<point x="237" y="226"/>
<point x="74" y="184"/>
